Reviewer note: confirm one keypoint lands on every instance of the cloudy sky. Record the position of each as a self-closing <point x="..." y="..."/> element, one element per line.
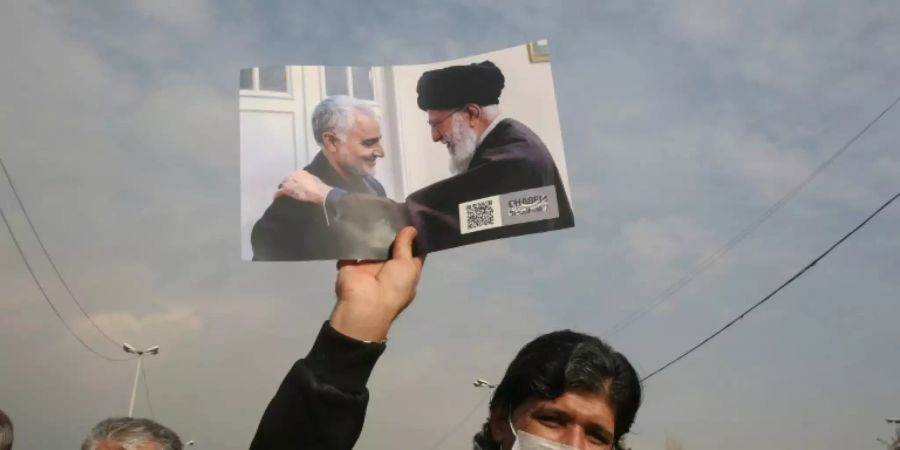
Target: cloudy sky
<point x="683" y="121"/>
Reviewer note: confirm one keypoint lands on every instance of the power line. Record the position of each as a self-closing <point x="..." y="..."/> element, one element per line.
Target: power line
<point x="710" y="260"/>
<point x="766" y="298"/>
<point x="47" y="298"/>
<point x="52" y="264"/>
<point x="147" y="391"/>
<point x="454" y="428"/>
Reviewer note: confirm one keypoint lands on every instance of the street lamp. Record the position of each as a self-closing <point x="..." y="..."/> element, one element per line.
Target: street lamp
<point x="140" y="357"/>
<point x="480" y="382"/>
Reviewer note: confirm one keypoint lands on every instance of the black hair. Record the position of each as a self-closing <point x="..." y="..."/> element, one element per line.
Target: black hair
<point x="562" y="361"/>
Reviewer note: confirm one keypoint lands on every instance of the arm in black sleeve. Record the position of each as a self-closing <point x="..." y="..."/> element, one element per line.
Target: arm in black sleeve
<point x="291" y="230"/>
<point x="321" y="404"/>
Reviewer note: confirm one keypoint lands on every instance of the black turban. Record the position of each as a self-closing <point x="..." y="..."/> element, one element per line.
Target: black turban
<point x="455" y="86"/>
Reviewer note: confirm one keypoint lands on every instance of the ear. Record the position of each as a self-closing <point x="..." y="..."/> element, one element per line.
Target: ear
<point x="474" y="111"/>
<point x="329" y="140"/>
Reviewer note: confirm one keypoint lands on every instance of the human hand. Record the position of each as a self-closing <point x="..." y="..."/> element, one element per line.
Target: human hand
<point x="303" y="186"/>
<point x="371" y="294"/>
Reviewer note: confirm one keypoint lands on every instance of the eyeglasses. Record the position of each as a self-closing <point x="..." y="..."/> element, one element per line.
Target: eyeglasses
<point x="434" y="123"/>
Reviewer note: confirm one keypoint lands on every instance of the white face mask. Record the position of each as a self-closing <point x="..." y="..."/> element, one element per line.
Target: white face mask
<point x="528" y="441"/>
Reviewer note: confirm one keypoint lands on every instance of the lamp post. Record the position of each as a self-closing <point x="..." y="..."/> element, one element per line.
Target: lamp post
<point x="482" y="383"/>
<point x="140" y="357"/>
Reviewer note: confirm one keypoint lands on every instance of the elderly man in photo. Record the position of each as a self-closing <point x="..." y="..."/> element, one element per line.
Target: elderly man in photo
<point x="349" y="135"/>
<point x="490" y="156"/>
<point x="564" y="390"/>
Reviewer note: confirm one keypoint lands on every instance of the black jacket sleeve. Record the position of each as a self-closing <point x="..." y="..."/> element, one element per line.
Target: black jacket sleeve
<point x="291" y="230"/>
<point x="321" y="404"/>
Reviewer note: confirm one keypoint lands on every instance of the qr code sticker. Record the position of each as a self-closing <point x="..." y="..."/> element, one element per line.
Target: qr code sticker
<point x="479" y="214"/>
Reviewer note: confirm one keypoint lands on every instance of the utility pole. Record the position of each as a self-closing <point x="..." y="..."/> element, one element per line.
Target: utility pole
<point x="140" y="357"/>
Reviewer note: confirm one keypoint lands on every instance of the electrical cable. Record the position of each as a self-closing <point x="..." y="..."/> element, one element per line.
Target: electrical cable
<point x="766" y="298"/>
<point x="47" y="298"/>
<point x="710" y="260"/>
<point x="456" y="427"/>
<point x="52" y="264"/>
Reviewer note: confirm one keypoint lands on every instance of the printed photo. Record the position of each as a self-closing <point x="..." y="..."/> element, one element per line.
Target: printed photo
<point x="336" y="159"/>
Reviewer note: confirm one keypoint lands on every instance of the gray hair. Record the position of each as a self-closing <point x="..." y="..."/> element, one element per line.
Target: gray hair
<point x="129" y="433"/>
<point x="491" y="111"/>
<point x="6" y="431"/>
<point x="336" y="114"/>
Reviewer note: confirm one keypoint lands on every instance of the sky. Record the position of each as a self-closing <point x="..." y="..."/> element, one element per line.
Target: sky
<point x="682" y="122"/>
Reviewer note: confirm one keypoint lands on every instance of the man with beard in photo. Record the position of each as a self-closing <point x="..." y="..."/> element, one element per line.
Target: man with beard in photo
<point x="490" y="155"/>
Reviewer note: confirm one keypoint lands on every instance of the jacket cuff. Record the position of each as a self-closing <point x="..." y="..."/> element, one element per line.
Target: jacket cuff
<point x="329" y="206"/>
<point x="342" y="361"/>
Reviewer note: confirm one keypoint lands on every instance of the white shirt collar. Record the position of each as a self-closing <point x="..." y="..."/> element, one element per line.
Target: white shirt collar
<point x="489" y="128"/>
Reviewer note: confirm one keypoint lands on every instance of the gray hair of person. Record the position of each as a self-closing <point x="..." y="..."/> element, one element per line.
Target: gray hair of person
<point x="491" y="111"/>
<point x="336" y="114"/>
<point x="129" y="433"/>
<point x="6" y="431"/>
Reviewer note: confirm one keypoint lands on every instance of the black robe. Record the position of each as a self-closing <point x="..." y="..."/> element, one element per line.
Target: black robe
<point x="291" y="230"/>
<point x="511" y="158"/>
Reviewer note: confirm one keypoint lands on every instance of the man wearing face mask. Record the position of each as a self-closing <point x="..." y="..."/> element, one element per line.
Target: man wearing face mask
<point x="563" y="390"/>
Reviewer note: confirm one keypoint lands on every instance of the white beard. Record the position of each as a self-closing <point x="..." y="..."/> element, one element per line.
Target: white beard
<point x="461" y="144"/>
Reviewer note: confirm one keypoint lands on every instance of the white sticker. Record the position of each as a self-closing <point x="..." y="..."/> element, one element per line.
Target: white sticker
<point x="481" y="214"/>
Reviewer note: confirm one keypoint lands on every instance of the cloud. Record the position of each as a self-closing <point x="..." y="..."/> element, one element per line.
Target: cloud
<point x="769" y="167"/>
<point x="682" y="122"/>
<point x="651" y="244"/>
<point x="171" y="323"/>
<point x="661" y="251"/>
<point x="193" y="17"/>
<point x="888" y="167"/>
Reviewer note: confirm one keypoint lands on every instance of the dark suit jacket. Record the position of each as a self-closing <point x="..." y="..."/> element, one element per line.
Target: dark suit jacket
<point x="291" y="230"/>
<point x="511" y="158"/>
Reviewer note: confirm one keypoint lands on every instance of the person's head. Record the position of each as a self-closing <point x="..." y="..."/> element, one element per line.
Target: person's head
<point x="127" y="433"/>
<point x="349" y="134"/>
<point x="566" y="387"/>
<point x="461" y="101"/>
<point x="6" y="431"/>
